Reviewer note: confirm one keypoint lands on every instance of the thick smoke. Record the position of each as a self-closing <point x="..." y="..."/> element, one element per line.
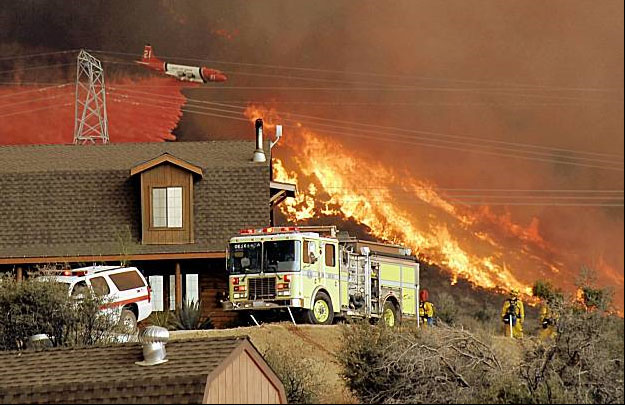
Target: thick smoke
<point x="424" y="44"/>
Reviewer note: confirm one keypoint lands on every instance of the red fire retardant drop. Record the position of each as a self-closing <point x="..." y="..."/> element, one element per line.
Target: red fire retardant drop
<point x="45" y="114"/>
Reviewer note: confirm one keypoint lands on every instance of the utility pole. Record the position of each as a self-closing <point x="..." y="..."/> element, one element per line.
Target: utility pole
<point x="90" y="112"/>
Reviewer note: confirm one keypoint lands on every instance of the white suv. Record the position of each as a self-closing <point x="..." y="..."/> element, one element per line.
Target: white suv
<point x="125" y="289"/>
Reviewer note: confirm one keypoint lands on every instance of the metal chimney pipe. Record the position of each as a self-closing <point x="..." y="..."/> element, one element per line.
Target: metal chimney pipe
<point x="39" y="342"/>
<point x="259" y="154"/>
<point x="153" y="338"/>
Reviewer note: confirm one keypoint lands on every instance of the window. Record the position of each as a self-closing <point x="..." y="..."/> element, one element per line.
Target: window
<point x="192" y="293"/>
<point x="100" y="286"/>
<point x="80" y="289"/>
<point x="127" y="280"/>
<point x="244" y="258"/>
<point x="172" y="292"/>
<point x="281" y="255"/>
<point x="329" y="254"/>
<point x="310" y="252"/>
<point x="167" y="207"/>
<point x="156" y="283"/>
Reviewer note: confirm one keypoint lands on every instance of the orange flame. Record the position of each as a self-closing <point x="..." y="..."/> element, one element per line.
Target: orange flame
<point x="398" y="208"/>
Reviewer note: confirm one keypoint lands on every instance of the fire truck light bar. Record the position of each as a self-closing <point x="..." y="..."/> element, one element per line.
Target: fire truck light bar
<point x="282" y="229"/>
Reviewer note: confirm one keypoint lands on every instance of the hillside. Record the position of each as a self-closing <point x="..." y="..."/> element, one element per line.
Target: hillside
<point x="320" y="343"/>
<point x="475" y="307"/>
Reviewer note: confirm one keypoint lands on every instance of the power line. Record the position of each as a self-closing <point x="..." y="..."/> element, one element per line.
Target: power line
<point x="400" y="89"/>
<point x="360" y="126"/>
<point x="379" y="86"/>
<point x="35" y="100"/>
<point x="410" y="104"/>
<point x="331" y="71"/>
<point x="427" y="143"/>
<point x="36" y="110"/>
<point x="585" y="191"/>
<point x="34" y="67"/>
<point x="23" y="83"/>
<point x="20" y="56"/>
<point x="35" y="90"/>
<point x="472" y="203"/>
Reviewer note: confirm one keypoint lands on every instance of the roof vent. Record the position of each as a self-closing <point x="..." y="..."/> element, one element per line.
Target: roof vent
<point x="153" y="338"/>
<point x="39" y="342"/>
<point x="259" y="154"/>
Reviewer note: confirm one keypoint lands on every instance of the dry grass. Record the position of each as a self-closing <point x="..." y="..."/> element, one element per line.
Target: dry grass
<point x="319" y="343"/>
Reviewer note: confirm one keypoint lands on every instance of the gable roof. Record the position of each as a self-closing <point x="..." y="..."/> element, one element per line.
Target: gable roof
<point x="68" y="376"/>
<point x="72" y="200"/>
<point x="165" y="158"/>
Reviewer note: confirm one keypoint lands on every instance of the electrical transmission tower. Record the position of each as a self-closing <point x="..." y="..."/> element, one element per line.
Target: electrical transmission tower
<point x="90" y="113"/>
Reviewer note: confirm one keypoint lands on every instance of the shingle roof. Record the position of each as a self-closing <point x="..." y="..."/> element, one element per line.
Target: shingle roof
<point x="122" y="156"/>
<point x="67" y="200"/>
<point x="109" y="375"/>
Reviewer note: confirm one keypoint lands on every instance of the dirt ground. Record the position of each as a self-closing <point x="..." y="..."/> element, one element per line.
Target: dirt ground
<point x="316" y="342"/>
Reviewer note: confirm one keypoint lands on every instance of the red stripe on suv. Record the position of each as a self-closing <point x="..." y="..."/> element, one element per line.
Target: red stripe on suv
<point x="124" y="302"/>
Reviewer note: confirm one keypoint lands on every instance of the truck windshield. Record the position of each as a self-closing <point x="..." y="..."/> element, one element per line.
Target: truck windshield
<point x="244" y="258"/>
<point x="278" y="256"/>
<point x="281" y="255"/>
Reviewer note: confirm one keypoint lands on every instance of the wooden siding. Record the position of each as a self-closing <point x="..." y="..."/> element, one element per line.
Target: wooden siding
<point x="166" y="175"/>
<point x="242" y="381"/>
<point x="212" y="285"/>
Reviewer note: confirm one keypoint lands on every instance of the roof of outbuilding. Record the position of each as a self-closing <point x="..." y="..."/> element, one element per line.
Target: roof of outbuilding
<point x="72" y="200"/>
<point x="109" y="375"/>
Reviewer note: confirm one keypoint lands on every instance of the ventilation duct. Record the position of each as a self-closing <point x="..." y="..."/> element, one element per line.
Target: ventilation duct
<point x="153" y="339"/>
<point x="259" y="154"/>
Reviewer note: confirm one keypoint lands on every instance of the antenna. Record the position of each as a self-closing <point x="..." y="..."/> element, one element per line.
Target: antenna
<point x="90" y="113"/>
<point x="279" y="134"/>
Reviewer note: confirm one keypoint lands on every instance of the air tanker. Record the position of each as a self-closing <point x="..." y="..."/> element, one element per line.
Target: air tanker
<point x="198" y="74"/>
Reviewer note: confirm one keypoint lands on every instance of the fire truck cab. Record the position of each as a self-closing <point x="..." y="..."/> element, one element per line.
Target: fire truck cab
<point x="321" y="276"/>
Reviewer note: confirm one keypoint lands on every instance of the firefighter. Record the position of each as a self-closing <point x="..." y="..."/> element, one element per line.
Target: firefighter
<point x="513" y="315"/>
<point x="547" y="318"/>
<point x="426" y="309"/>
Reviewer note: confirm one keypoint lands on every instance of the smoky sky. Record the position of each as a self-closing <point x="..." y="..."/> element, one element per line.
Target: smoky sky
<point x="572" y="49"/>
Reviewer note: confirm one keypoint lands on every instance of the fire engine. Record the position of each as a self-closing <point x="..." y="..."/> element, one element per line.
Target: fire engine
<point x="321" y="275"/>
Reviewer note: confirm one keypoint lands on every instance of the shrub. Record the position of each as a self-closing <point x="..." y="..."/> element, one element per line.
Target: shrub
<point x="44" y="307"/>
<point x="189" y="316"/>
<point x="161" y="318"/>
<point x="446" y="309"/>
<point x="434" y="366"/>
<point x="302" y="377"/>
<point x="583" y="364"/>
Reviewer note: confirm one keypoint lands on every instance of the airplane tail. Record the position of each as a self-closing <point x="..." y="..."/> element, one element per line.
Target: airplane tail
<point x="148" y="59"/>
<point x="148" y="55"/>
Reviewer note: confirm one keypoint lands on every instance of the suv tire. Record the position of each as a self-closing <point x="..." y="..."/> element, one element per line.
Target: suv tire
<point x="128" y="321"/>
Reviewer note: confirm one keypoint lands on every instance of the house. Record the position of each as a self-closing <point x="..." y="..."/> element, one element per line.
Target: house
<point x="167" y="208"/>
<point x="227" y="370"/>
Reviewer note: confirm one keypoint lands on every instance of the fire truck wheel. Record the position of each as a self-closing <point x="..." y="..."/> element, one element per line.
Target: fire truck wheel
<point x="322" y="312"/>
<point x="128" y="321"/>
<point x="391" y="316"/>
